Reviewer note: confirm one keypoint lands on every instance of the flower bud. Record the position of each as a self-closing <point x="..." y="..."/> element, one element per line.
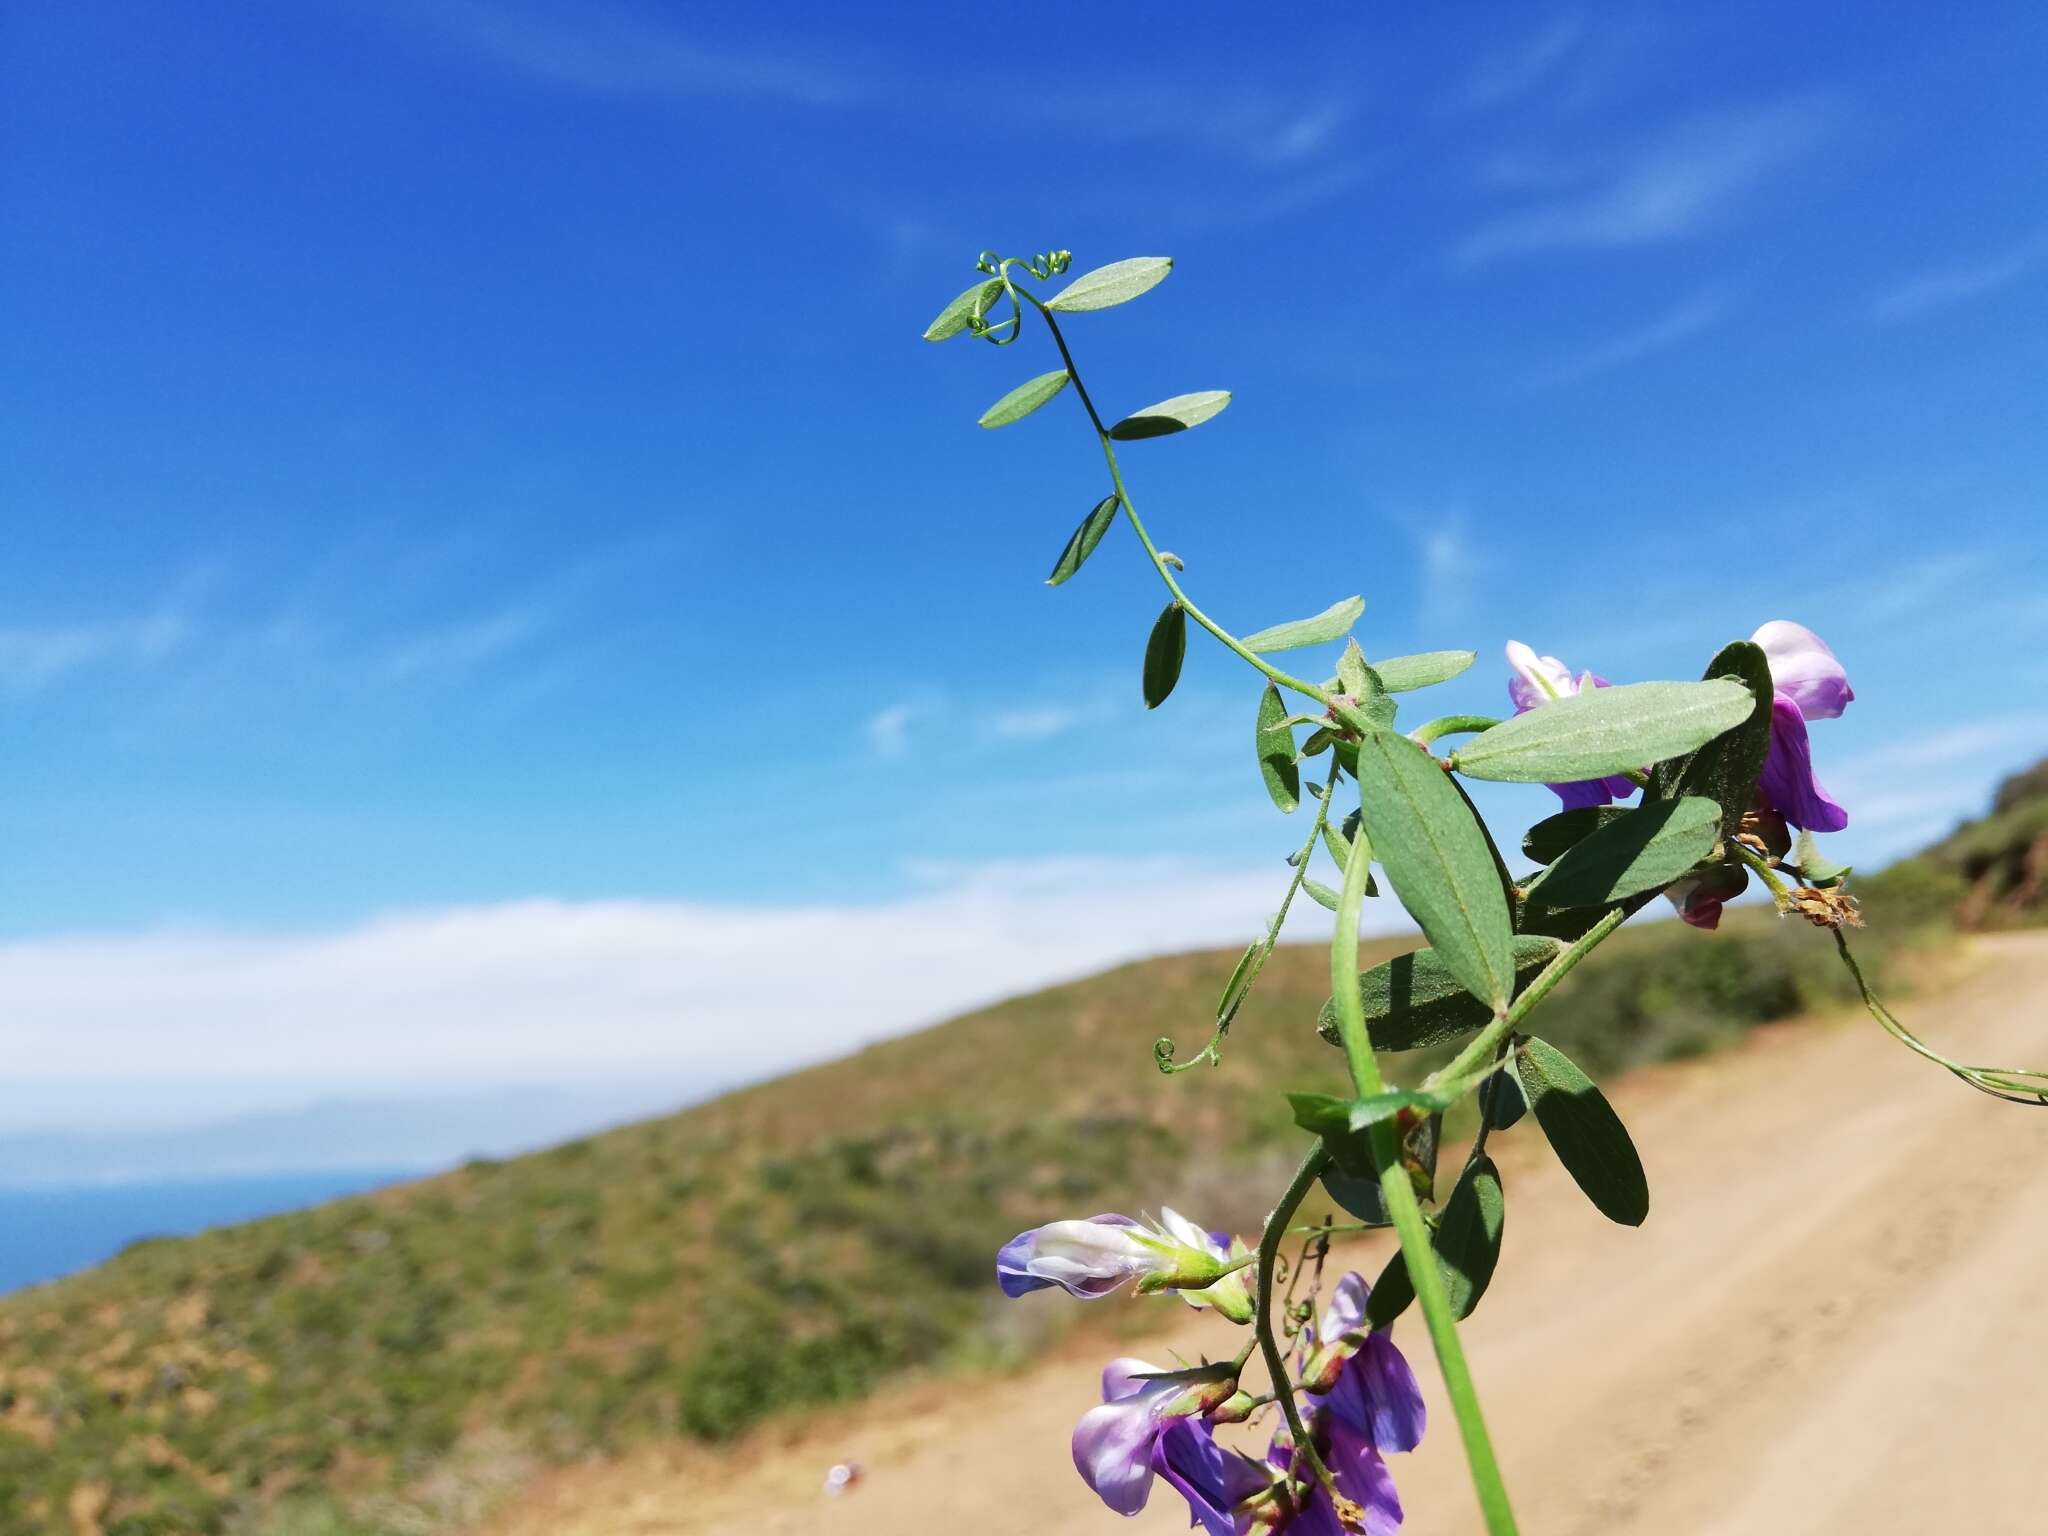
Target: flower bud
<point x="1234" y="1409"/>
<point x="1093" y="1257"/>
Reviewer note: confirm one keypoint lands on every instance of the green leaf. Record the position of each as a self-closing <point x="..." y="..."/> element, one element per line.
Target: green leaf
<point x="1024" y="399"/>
<point x="1432" y="849"/>
<point x="1644" y="850"/>
<point x="1727" y="768"/>
<point x="1358" y="1195"/>
<point x="1353" y="675"/>
<point x="1584" y="1131"/>
<point x="1504" y="1101"/>
<point x="1468" y="1235"/>
<point x="1082" y="544"/>
<point x="1117" y="283"/>
<point x="1322" y="896"/>
<point x="1547" y="841"/>
<point x="1331" y="624"/>
<point x="1603" y="731"/>
<point x="954" y="317"/>
<point x="1391" y="1293"/>
<point x="1175" y="415"/>
<point x="1815" y="867"/>
<point x="1413" y="1000"/>
<point x="1327" y="1115"/>
<point x="1339" y="846"/>
<point x="1275" y="743"/>
<point x="1240" y="980"/>
<point x="1404" y="674"/>
<point x="1346" y="1124"/>
<point x="1508" y="890"/>
<point x="1163" y="654"/>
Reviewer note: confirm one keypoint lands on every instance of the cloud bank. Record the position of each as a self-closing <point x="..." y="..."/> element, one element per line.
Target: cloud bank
<point x="549" y="991"/>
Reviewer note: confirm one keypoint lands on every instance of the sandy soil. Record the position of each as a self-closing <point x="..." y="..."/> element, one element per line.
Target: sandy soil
<point x="1833" y="1321"/>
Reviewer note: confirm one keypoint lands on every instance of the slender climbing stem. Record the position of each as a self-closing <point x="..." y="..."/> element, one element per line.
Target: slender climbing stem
<point x="1406" y="1212"/>
<point x="1504" y="1024"/>
<point x="1365" y="1073"/>
<point x="2016" y="1085"/>
<point x="1780" y="893"/>
<point x="1123" y="496"/>
<point x="1212" y="1052"/>
<point x="1275" y="1233"/>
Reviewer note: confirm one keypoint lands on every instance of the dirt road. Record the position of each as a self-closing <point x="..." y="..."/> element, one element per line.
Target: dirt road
<point x="1835" y="1320"/>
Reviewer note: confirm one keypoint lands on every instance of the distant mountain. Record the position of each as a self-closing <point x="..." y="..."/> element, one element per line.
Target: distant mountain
<point x="789" y="1244"/>
<point x="424" y="1132"/>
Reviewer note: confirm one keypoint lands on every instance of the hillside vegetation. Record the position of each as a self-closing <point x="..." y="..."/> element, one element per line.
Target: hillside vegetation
<point x="381" y="1364"/>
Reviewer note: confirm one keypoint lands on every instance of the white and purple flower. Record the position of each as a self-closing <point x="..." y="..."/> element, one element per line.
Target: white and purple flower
<point x="1091" y="1258"/>
<point x="1144" y="1428"/>
<point x="1536" y="681"/>
<point x="1807" y="683"/>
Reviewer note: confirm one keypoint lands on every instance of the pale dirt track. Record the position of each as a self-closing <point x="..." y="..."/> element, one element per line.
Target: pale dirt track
<point x="1835" y="1320"/>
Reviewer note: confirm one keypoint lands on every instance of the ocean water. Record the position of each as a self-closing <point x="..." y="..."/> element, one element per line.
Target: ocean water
<point x="52" y="1230"/>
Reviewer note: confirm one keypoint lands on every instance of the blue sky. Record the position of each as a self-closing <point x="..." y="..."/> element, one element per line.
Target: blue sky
<point x="472" y="462"/>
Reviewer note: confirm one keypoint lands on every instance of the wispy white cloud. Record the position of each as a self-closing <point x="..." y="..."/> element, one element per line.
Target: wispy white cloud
<point x="456" y="650"/>
<point x="1269" y="128"/>
<point x="1514" y="70"/>
<point x="605" y="49"/>
<point x="1910" y="590"/>
<point x="1681" y="184"/>
<point x="1679" y="324"/>
<point x="1954" y="744"/>
<point x="1947" y="287"/>
<point x="34" y="657"/>
<point x="1038" y="723"/>
<point x="1295" y="195"/>
<point x="1450" y="562"/>
<point x="554" y="990"/>
<point x="1903" y="796"/>
<point x="888" y="729"/>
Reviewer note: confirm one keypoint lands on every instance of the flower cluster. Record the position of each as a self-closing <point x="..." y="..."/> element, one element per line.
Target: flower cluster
<point x="1807" y="683"/>
<point x="1359" y="1400"/>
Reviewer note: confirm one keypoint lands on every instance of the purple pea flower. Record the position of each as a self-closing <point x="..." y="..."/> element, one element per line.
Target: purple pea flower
<point x="1375" y="1393"/>
<point x="1536" y="681"/>
<point x="1807" y="683"/>
<point x="1091" y="1258"/>
<point x="1361" y="1475"/>
<point x="1133" y="1436"/>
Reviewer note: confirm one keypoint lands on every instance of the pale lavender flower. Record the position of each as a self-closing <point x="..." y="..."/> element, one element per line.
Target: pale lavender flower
<point x="1536" y="681"/>
<point x="1808" y="683"/>
<point x="1091" y="1258"/>
<point x="1120" y="1446"/>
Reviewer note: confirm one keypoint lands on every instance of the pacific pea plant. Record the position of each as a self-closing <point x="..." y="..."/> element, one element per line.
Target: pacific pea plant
<point x="1721" y="774"/>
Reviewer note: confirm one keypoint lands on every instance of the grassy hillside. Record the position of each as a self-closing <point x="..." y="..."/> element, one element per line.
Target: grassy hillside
<point x="1998" y="866"/>
<point x="380" y="1364"/>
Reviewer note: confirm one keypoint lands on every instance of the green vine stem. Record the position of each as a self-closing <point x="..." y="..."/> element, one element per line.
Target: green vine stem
<point x="1504" y="1024"/>
<point x="1159" y="562"/>
<point x="1270" y="1240"/>
<point x="1406" y="1212"/>
<point x="2016" y="1085"/>
<point x="1162" y="1049"/>
<point x="1365" y="1074"/>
